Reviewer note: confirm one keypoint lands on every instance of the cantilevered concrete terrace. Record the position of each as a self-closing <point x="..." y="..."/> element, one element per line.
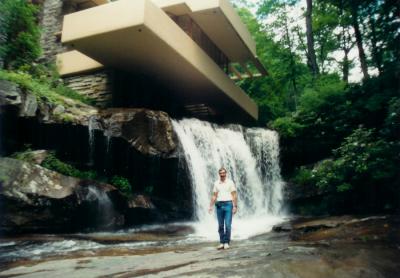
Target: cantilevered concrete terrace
<point x="145" y="35"/>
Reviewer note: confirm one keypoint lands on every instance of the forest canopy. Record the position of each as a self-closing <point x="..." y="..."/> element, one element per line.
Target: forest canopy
<point x="338" y="138"/>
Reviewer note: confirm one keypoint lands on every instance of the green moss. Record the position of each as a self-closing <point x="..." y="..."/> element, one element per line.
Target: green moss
<point x="26" y="154"/>
<point x="122" y="184"/>
<point x="51" y="162"/>
<point x="65" y="118"/>
<point x="42" y="88"/>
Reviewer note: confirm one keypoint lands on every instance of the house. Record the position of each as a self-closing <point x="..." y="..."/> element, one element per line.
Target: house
<point x="181" y="56"/>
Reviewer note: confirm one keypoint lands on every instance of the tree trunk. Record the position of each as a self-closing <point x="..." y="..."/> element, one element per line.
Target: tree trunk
<point x="346" y="46"/>
<point x="376" y="54"/>
<point x="292" y="63"/>
<point x="357" y="32"/>
<point x="346" y="67"/>
<point x="311" y="57"/>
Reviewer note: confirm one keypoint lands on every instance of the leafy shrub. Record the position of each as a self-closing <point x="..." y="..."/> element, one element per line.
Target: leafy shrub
<point x="122" y="184"/>
<point x="364" y="168"/>
<point x="303" y="176"/>
<point x="53" y="163"/>
<point x="21" y="32"/>
<point x="287" y="127"/>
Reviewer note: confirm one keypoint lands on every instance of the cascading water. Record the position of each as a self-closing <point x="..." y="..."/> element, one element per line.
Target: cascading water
<point x="105" y="208"/>
<point x="251" y="157"/>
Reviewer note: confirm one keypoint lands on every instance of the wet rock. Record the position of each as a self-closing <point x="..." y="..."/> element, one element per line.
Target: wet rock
<point x="345" y="228"/>
<point x="140" y="201"/>
<point x="294" y="192"/>
<point x="284" y="227"/>
<point x="35" y="157"/>
<point x="145" y="210"/>
<point x="150" y="132"/>
<point x="29" y="106"/>
<point x="59" y="110"/>
<point x="35" y="199"/>
<point x="10" y="93"/>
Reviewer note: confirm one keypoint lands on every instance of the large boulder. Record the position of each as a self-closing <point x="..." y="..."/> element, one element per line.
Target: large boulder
<point x="12" y="95"/>
<point x="148" y="131"/>
<point x="35" y="199"/>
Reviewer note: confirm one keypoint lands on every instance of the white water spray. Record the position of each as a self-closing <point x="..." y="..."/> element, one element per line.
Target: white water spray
<point x="105" y="206"/>
<point x="251" y="157"/>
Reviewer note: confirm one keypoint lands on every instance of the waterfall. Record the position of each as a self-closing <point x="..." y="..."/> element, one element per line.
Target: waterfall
<point x="108" y="144"/>
<point x="105" y="209"/>
<point x="251" y="157"/>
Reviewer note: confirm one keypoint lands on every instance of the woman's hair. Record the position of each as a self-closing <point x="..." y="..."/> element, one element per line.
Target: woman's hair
<point x="222" y="169"/>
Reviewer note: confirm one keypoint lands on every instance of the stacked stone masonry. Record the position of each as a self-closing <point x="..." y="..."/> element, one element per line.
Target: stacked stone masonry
<point x="51" y="18"/>
<point x="97" y="85"/>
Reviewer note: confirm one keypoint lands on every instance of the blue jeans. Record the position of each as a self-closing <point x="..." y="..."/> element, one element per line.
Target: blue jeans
<point x="224" y="215"/>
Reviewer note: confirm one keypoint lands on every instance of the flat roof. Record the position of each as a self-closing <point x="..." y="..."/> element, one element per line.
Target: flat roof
<point x="138" y="35"/>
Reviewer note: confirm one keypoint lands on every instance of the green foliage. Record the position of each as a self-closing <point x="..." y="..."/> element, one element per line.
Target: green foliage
<point x="53" y="163"/>
<point x="363" y="163"/>
<point x="392" y="120"/>
<point x="122" y="184"/>
<point x="303" y="176"/>
<point x="18" y="26"/>
<point x="287" y="127"/>
<point x="362" y="158"/>
<point x="325" y="90"/>
<point x="25" y="155"/>
<point x="42" y="88"/>
<point x="349" y="132"/>
<point x="368" y="158"/>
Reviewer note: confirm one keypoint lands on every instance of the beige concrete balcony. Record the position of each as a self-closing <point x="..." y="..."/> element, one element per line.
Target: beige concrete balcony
<point x="139" y="36"/>
<point x="74" y="62"/>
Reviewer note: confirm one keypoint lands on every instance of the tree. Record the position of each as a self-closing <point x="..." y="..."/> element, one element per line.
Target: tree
<point x="354" y="6"/>
<point x="311" y="58"/>
<point x="282" y="30"/>
<point x="346" y="42"/>
<point x="325" y="26"/>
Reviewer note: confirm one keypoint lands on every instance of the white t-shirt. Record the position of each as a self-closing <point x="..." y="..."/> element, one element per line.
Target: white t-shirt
<point x="224" y="189"/>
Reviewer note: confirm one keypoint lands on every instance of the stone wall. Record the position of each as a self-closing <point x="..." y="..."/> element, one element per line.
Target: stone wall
<point x="97" y="85"/>
<point x="51" y="18"/>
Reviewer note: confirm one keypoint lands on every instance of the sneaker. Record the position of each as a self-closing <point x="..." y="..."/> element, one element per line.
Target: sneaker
<point x="226" y="246"/>
<point x="220" y="247"/>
